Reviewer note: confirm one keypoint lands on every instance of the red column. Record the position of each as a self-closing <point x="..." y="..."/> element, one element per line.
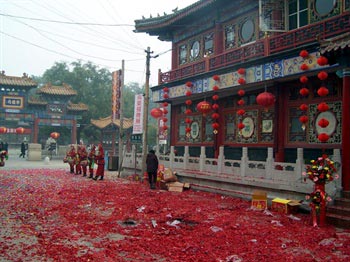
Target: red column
<point x="280" y="127"/>
<point x="218" y="39"/>
<point x="346" y="131"/>
<point x="36" y="130"/>
<point x="74" y="132"/>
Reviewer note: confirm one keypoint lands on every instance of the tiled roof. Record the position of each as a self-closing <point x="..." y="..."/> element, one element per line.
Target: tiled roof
<point x="104" y="122"/>
<point x="64" y="90"/>
<point x="335" y="43"/>
<point x="36" y="100"/>
<point x="23" y="81"/>
<point x="77" y="107"/>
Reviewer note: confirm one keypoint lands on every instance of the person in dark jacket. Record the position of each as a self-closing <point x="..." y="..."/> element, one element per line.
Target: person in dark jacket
<point x="23" y="150"/>
<point x="152" y="168"/>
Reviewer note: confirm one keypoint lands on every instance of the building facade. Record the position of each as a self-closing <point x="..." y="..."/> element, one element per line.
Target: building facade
<point x="273" y="73"/>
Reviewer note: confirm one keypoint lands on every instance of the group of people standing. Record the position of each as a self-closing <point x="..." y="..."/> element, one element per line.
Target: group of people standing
<point x="82" y="161"/>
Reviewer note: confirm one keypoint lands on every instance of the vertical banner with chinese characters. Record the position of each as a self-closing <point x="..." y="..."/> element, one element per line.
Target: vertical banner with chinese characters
<point x="116" y="83"/>
<point x="138" y="114"/>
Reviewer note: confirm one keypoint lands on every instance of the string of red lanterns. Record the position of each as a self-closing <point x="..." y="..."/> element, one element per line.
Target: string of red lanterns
<point x="304" y="91"/>
<point x="241" y="102"/>
<point x="164" y="109"/>
<point x="188" y="110"/>
<point x="215" y="116"/>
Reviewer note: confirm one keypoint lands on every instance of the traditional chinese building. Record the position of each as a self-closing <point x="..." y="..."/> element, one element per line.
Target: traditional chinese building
<point x="25" y="108"/>
<point x="274" y="74"/>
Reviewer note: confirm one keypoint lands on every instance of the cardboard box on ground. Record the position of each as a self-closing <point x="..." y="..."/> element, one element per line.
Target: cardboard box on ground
<point x="168" y="180"/>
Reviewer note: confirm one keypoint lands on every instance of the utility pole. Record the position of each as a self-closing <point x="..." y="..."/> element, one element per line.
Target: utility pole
<point x="121" y="121"/>
<point x="145" y="110"/>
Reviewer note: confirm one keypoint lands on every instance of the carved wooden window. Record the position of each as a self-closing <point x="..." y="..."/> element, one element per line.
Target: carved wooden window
<point x="322" y="9"/>
<point x="347" y="5"/>
<point x="272" y="15"/>
<point x="297" y="13"/>
<point x="230" y="37"/>
<point x="247" y="32"/>
<point x="183" y="54"/>
<point x="208" y="44"/>
<point x="297" y="133"/>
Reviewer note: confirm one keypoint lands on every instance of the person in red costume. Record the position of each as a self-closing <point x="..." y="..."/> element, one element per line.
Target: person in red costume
<point x="71" y="158"/>
<point x="83" y="159"/>
<point x="91" y="158"/>
<point x="100" y="159"/>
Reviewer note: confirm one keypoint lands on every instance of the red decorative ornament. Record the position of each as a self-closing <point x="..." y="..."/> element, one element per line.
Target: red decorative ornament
<point x="165" y="104"/>
<point x="265" y="99"/>
<point x="188" y="112"/>
<point x="165" y="119"/>
<point x="165" y="127"/>
<point x="215" y="125"/>
<point x="304" y="67"/>
<point x="215" y="107"/>
<point x="322" y="75"/>
<point x="241" y="71"/>
<point x="322" y="61"/>
<point x="215" y="88"/>
<point x="215" y="97"/>
<point x="303" y="107"/>
<point x="303" y="119"/>
<point x="322" y="107"/>
<point x="241" y="125"/>
<point x="215" y="116"/>
<point x="20" y="130"/>
<point x="241" y="81"/>
<point x="240" y="102"/>
<point x="188" y="129"/>
<point x="165" y="111"/>
<point x="323" y="122"/>
<point x="188" y="93"/>
<point x="165" y="95"/>
<point x="303" y="79"/>
<point x="241" y="112"/>
<point x="322" y="91"/>
<point x="204" y="107"/>
<point x="216" y="77"/>
<point x="166" y="89"/>
<point x="189" y="84"/>
<point x="304" y="53"/>
<point x="188" y="120"/>
<point x="304" y="91"/>
<point x="156" y="112"/>
<point x="188" y="102"/>
<point x="55" y="135"/>
<point x="241" y="92"/>
<point x="3" y="130"/>
<point x="323" y="137"/>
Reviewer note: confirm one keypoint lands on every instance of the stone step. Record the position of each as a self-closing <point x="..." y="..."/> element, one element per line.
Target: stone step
<point x="341" y="201"/>
<point x="338" y="220"/>
<point x="340" y="210"/>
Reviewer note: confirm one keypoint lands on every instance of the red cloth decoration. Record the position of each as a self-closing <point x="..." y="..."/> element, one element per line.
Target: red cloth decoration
<point x="265" y="99"/>
<point x="323" y="137"/>
<point x="20" y="130"/>
<point x="188" y="102"/>
<point x="240" y="102"/>
<point x="304" y="67"/>
<point x="241" y="112"/>
<point x="322" y="107"/>
<point x="156" y="112"/>
<point x="303" y="107"/>
<point x="215" y="88"/>
<point x="215" y="106"/>
<point x="303" y="79"/>
<point x="3" y="130"/>
<point x="216" y="77"/>
<point x="322" y="60"/>
<point x="241" y="92"/>
<point x="204" y="107"/>
<point x="303" y="119"/>
<point x="323" y="122"/>
<point x="323" y="75"/>
<point x="304" y="53"/>
<point x="241" y="125"/>
<point x="304" y="91"/>
<point x="241" y="71"/>
<point x="215" y="97"/>
<point x="241" y="81"/>
<point x="322" y="91"/>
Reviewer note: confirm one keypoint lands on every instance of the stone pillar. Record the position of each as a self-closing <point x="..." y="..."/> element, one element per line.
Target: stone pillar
<point x="269" y="163"/>
<point x="299" y="164"/>
<point x="186" y="156"/>
<point x="202" y="159"/>
<point x="221" y="159"/>
<point x="244" y="161"/>
<point x="34" y="152"/>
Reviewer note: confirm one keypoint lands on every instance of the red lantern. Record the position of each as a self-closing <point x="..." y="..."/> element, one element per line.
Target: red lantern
<point x="165" y="127"/>
<point x="166" y="89"/>
<point x="215" y="88"/>
<point x="241" y="71"/>
<point x="240" y="102"/>
<point x="303" y="107"/>
<point x="165" y="111"/>
<point x="165" y="96"/>
<point x="322" y="107"/>
<point x="215" y="125"/>
<point x="156" y="112"/>
<point x="304" y="67"/>
<point x="304" y="53"/>
<point x="241" y="92"/>
<point x="303" y="79"/>
<point x="323" y="122"/>
<point x="216" y="77"/>
<point x="188" y="120"/>
<point x="265" y="99"/>
<point x="165" y="104"/>
<point x="241" y="81"/>
<point x="204" y="107"/>
<point x="304" y="91"/>
<point x="322" y="91"/>
<point x="241" y="125"/>
<point x="165" y="119"/>
<point x="188" y="102"/>
<point x="303" y="119"/>
<point x="55" y="135"/>
<point x="189" y="84"/>
<point x="3" y="130"/>
<point x="322" y="75"/>
<point x="323" y="137"/>
<point x="188" y="129"/>
<point x="188" y="93"/>
<point x="20" y="130"/>
<point x="241" y="112"/>
<point x="215" y="116"/>
<point x="215" y="106"/>
<point x="188" y="112"/>
<point x="322" y="60"/>
<point x="215" y="97"/>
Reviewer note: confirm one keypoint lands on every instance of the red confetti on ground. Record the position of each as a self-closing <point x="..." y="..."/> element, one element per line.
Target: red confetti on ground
<point x="51" y="215"/>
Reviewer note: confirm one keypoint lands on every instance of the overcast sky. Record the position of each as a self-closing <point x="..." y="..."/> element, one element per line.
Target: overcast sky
<point x="34" y="34"/>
